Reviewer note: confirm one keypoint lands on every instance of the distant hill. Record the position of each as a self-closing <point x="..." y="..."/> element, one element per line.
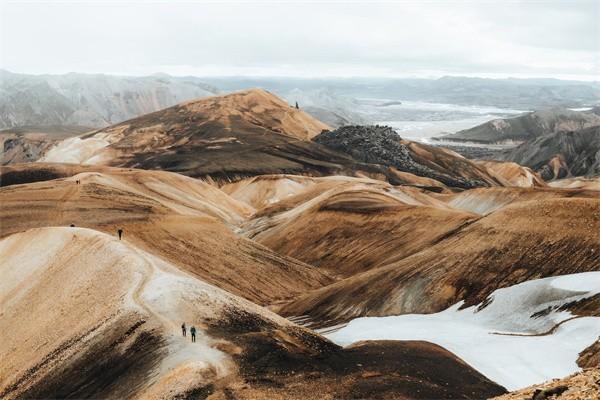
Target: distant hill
<point x="90" y="100"/>
<point x="226" y="137"/>
<point x="527" y="126"/>
<point x="561" y="154"/>
<point x="29" y="143"/>
<point x="253" y="132"/>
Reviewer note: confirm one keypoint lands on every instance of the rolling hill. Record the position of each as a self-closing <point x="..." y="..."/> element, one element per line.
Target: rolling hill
<point x="267" y="136"/>
<point x="177" y="218"/>
<point x="342" y="225"/>
<point x="129" y="344"/>
<point x="544" y="238"/>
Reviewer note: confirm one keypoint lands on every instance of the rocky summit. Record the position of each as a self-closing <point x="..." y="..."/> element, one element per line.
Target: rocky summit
<point x="376" y="144"/>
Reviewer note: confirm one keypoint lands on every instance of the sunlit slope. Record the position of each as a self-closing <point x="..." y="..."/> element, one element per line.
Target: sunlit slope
<point x="514" y="174"/>
<point x="88" y="316"/>
<point x="183" y="220"/>
<point x="242" y="134"/>
<point x="485" y="201"/>
<point x="346" y="226"/>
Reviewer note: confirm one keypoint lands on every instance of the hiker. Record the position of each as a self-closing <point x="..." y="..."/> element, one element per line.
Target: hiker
<point x="183" y="329"/>
<point x="193" y="332"/>
<point x="297" y="108"/>
<point x="120" y="232"/>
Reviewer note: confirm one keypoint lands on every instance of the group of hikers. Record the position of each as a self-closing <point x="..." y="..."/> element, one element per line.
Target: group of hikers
<point x="192" y="331"/>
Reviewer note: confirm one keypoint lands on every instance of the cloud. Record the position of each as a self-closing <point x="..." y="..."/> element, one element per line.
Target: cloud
<point x="549" y="38"/>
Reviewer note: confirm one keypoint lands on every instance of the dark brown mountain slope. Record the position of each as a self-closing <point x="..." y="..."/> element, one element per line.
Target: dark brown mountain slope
<point x="252" y="133"/>
<point x="242" y="134"/>
<point x="350" y="226"/>
<point x="561" y="154"/>
<point x="129" y="345"/>
<point x="523" y="241"/>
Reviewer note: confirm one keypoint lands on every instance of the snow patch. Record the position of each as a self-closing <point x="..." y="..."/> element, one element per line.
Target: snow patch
<point x="515" y="340"/>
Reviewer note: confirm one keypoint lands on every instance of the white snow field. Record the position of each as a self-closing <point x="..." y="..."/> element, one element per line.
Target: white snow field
<point x="504" y="340"/>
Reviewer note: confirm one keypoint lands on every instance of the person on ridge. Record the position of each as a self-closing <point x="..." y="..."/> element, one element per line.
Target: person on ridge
<point x="193" y="332"/>
<point x="183" y="329"/>
<point x="120" y="232"/>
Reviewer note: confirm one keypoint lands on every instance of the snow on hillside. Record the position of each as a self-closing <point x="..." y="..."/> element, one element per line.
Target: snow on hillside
<point x="75" y="150"/>
<point x="511" y="340"/>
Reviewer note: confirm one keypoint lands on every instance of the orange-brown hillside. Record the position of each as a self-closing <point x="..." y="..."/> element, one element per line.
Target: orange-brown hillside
<point x="180" y="219"/>
<point x="519" y="242"/>
<point x="344" y="225"/>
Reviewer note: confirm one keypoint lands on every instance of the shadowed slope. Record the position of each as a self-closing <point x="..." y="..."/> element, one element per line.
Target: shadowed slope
<point x="561" y="154"/>
<point x="198" y="138"/>
<point x="347" y="225"/>
<point x="522" y="241"/>
<point x="130" y="344"/>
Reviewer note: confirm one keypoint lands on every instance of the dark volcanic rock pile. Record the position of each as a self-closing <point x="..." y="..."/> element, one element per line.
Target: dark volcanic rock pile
<point x="376" y="144"/>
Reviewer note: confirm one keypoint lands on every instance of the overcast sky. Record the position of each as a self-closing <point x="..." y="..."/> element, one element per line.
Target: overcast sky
<point x="403" y="38"/>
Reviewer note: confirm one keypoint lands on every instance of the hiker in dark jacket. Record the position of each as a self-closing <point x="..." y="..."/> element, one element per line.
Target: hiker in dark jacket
<point x="193" y="332"/>
<point x="183" y="328"/>
<point x="120" y="232"/>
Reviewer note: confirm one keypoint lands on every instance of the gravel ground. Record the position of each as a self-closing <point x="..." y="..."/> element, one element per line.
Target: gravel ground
<point x="583" y="385"/>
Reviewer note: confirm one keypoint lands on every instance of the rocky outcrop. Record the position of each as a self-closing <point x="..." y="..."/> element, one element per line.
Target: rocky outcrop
<point x="582" y="385"/>
<point x="382" y="145"/>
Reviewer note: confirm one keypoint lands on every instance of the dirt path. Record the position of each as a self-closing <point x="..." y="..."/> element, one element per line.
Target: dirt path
<point x="72" y="191"/>
<point x="199" y="356"/>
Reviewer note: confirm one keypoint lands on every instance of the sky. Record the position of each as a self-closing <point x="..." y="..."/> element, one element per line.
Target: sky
<point x="559" y="39"/>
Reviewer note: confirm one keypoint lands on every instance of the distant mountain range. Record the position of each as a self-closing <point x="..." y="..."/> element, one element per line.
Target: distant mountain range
<point x="522" y="94"/>
<point x="89" y="100"/>
<point x="99" y="100"/>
